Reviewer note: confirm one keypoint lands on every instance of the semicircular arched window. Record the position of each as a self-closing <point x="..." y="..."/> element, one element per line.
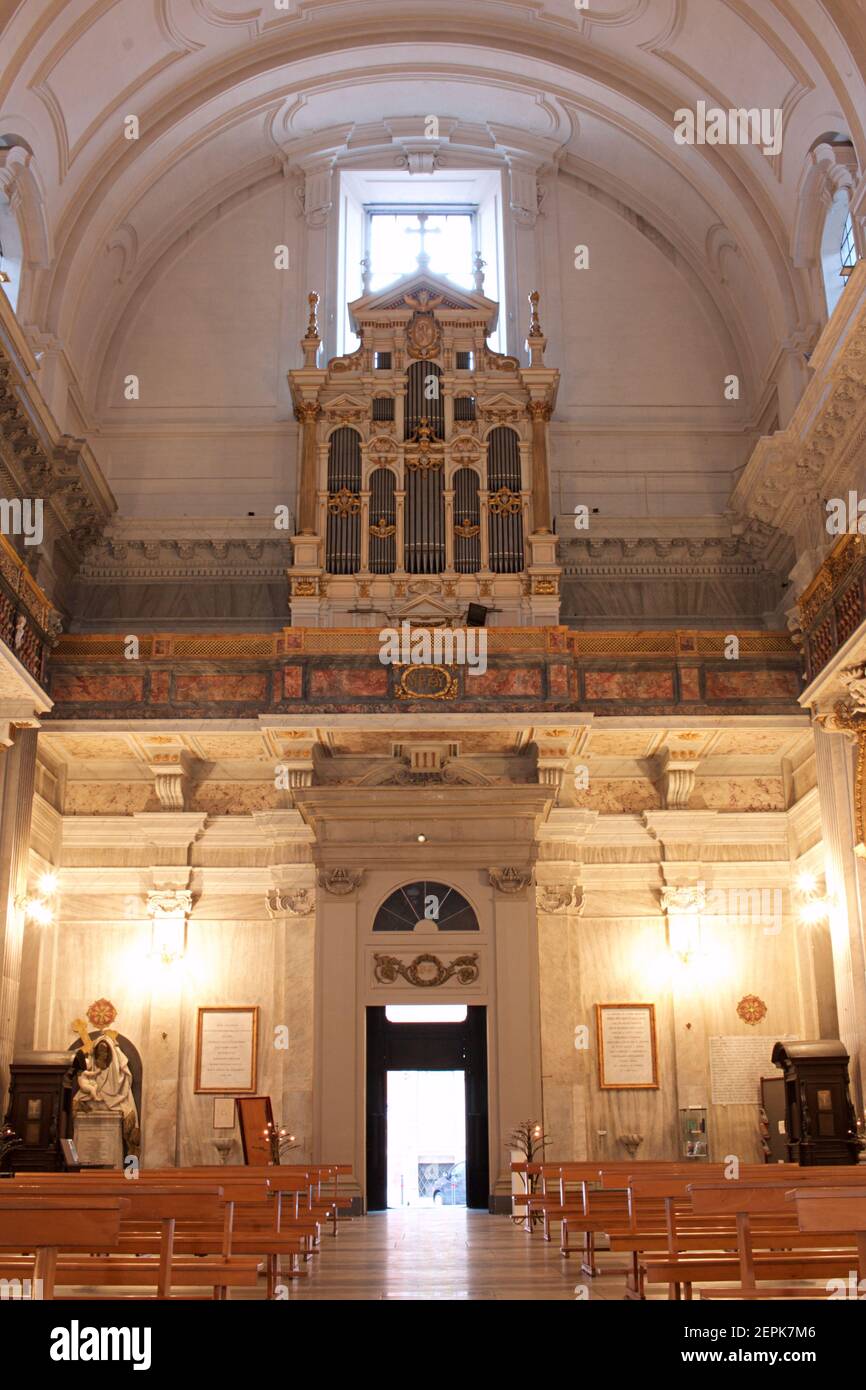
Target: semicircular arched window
<point x="425" y="904"/>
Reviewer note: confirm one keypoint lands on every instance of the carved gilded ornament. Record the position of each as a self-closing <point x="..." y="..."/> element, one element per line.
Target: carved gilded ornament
<point x="426" y="971"/>
<point x="313" y="322"/>
<point x="343" y="503"/>
<point x="426" y="682"/>
<point x="307" y="412"/>
<point x="466" y="529"/>
<point x="424" y="451"/>
<point x="423" y="335"/>
<point x="505" y="502"/>
<point x="382" y="529"/>
<point x="539" y="410"/>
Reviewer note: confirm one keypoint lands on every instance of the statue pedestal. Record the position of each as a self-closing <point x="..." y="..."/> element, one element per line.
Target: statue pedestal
<point x="99" y="1140"/>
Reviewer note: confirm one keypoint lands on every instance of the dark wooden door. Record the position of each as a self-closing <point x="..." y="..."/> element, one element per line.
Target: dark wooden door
<point x="428" y="1047"/>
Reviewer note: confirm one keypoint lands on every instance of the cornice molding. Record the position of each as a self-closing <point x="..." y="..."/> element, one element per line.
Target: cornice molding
<point x="819" y="451"/>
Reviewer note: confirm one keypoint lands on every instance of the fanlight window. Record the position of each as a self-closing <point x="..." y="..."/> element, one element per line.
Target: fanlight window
<point x="425" y="904"/>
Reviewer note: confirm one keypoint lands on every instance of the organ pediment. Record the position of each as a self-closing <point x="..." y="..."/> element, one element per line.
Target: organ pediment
<point x="423" y="292"/>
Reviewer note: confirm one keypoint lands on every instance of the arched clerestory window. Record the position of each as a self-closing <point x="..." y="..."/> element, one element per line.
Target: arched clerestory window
<point x="838" y="249"/>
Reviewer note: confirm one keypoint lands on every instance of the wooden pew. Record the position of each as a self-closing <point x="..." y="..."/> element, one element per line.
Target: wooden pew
<point x="46" y="1226"/>
<point x="741" y="1233"/>
<point x="253" y="1225"/>
<point x="146" y="1250"/>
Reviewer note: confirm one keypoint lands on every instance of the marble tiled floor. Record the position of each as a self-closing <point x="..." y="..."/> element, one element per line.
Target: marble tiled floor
<point x="446" y="1253"/>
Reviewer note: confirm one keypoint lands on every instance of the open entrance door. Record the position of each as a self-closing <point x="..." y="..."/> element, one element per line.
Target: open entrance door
<point x="459" y="1048"/>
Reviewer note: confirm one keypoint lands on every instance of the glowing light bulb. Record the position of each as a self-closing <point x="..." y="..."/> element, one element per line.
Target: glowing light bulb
<point x="806" y="883"/>
<point x="48" y="885"/>
<point x="40" y="912"/>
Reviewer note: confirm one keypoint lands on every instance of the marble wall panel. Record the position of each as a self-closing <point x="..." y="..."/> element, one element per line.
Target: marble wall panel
<point x="264" y="963"/>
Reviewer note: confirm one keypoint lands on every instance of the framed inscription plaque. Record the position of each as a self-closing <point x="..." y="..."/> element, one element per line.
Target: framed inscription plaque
<point x="627" y="1052"/>
<point x="225" y="1051"/>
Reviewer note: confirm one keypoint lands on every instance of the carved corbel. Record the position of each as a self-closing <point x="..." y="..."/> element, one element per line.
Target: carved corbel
<point x="340" y="882"/>
<point x="510" y="879"/>
<point x="682" y="899"/>
<point x="169" y="902"/>
<point x="678" y="772"/>
<point x="171" y="775"/>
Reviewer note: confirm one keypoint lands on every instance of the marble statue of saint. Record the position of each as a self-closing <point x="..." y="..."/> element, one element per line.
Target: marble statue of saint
<point x="106" y="1084"/>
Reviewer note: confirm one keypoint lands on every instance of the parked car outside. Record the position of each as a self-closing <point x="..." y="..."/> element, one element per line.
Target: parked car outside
<point x="451" y="1188"/>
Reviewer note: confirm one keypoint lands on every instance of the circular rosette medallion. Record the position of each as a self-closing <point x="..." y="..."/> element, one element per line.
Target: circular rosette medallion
<point x="751" y="1009"/>
<point x="102" y="1013"/>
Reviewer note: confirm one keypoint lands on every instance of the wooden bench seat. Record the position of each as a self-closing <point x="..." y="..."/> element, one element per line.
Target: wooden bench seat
<point x="43" y="1227"/>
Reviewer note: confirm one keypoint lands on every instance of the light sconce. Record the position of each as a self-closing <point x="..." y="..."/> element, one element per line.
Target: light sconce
<point x="815" y="906"/>
<point x="684" y="936"/>
<point x="40" y="907"/>
<point x="169" y="938"/>
<point x="169" y="909"/>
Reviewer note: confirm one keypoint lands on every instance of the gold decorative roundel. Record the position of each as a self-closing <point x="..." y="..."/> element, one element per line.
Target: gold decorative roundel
<point x="102" y="1013"/>
<point x="751" y="1009"/>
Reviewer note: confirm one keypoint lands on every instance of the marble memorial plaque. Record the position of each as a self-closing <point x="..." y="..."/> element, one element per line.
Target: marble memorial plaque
<point x="99" y="1140"/>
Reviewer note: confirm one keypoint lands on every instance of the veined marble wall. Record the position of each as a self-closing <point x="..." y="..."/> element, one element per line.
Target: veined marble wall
<point x="617" y="951"/>
<point x="102" y="947"/>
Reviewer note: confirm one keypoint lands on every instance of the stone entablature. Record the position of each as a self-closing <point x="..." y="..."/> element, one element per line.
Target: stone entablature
<point x="331" y="670"/>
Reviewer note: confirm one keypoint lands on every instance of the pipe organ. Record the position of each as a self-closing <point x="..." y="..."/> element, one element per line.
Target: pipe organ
<point x="423" y="467"/>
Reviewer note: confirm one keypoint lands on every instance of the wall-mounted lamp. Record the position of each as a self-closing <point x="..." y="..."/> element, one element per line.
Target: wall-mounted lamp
<point x="169" y="909"/>
<point x="683" y="905"/>
<point x="815" y="906"/>
<point x="40" y="907"/>
<point x="684" y="936"/>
